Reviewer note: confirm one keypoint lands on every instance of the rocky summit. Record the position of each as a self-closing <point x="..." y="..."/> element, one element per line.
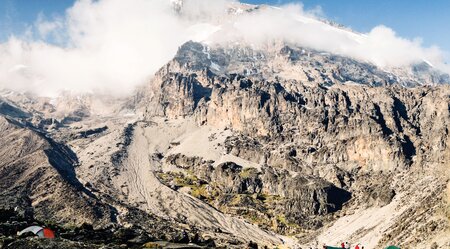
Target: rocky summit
<point x="234" y="145"/>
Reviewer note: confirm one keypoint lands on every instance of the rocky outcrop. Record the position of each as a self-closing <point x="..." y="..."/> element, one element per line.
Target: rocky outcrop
<point x="301" y="201"/>
<point x="237" y="145"/>
<point x="328" y="142"/>
<point x="356" y="123"/>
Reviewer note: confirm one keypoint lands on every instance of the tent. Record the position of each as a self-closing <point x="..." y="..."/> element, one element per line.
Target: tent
<point x="392" y="247"/>
<point x="39" y="231"/>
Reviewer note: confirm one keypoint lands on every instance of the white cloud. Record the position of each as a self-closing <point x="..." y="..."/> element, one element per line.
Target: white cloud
<point x="113" y="45"/>
<point x="48" y="28"/>
<point x="380" y="46"/>
<point x="203" y="10"/>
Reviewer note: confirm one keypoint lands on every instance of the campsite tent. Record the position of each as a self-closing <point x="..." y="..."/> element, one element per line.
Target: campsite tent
<point x="392" y="247"/>
<point x="39" y="231"/>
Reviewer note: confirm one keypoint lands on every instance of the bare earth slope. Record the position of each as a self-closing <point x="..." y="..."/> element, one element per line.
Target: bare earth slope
<point x="36" y="175"/>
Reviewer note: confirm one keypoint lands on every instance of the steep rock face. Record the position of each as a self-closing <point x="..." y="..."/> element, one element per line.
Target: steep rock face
<point x="326" y="145"/>
<point x="357" y="123"/>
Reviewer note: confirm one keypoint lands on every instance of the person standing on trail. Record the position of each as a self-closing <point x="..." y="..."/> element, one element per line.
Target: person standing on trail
<point x="357" y="246"/>
<point x="343" y="245"/>
<point x="347" y="245"/>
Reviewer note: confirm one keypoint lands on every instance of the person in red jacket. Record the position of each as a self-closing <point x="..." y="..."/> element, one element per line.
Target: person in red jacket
<point x="357" y="246"/>
<point x="343" y="245"/>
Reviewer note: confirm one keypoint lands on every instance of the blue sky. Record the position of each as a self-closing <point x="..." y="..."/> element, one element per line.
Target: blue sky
<point x="16" y="15"/>
<point x="428" y="19"/>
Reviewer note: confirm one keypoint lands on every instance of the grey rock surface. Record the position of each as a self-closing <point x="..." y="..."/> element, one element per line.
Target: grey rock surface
<point x="282" y="146"/>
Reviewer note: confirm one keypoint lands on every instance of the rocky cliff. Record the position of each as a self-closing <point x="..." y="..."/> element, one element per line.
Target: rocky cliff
<point x="313" y="136"/>
<point x="230" y="146"/>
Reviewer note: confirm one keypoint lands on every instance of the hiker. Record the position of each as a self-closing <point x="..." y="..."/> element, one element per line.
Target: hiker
<point x="357" y="246"/>
<point x="347" y="245"/>
<point x="343" y="245"/>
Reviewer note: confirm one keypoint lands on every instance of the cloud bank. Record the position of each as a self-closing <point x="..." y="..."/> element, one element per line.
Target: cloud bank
<point x="113" y="45"/>
<point x="380" y="46"/>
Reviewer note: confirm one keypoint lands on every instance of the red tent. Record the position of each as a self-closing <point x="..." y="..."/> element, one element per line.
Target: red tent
<point x="48" y="233"/>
